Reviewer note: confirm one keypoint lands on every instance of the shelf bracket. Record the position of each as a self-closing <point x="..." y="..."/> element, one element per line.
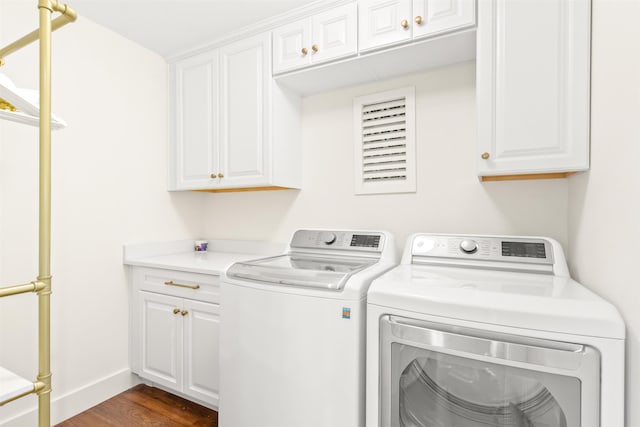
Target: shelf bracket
<point x="67" y="16"/>
<point x="34" y="286"/>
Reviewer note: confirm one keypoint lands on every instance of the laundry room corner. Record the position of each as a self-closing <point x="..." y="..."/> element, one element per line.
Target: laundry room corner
<point x="430" y="220"/>
<point x="108" y="187"/>
<point x="604" y="207"/>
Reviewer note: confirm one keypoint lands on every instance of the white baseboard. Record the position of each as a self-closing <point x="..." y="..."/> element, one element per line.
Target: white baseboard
<point x="78" y="400"/>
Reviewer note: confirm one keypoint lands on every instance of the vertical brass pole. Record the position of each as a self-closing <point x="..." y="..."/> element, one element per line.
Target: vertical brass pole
<point x="44" y="256"/>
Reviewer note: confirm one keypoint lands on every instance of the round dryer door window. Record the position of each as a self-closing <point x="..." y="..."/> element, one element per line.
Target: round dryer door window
<point x="455" y="377"/>
<point x="443" y="390"/>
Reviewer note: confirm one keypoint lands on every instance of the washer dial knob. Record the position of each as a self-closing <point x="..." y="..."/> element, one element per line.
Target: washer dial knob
<point x="468" y="246"/>
<point x="328" y="238"/>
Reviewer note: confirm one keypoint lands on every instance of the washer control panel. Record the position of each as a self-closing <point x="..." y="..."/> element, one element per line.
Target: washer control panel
<point x="339" y="239"/>
<point x="484" y="248"/>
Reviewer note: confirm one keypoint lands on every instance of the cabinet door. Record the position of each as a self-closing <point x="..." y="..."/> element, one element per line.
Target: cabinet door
<point x="335" y="33"/>
<point x="381" y="23"/>
<point x="433" y="17"/>
<point x="201" y="338"/>
<point x="533" y="64"/>
<point x="245" y="117"/>
<point x="292" y="46"/>
<point x="194" y="122"/>
<point x="161" y="336"/>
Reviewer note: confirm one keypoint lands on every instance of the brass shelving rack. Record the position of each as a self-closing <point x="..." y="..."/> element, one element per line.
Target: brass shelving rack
<point x="42" y="285"/>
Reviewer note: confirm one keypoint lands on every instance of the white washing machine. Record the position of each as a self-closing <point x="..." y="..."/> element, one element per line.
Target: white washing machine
<point x="477" y="331"/>
<point x="292" y="333"/>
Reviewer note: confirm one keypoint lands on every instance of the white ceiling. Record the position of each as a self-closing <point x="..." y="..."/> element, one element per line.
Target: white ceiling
<point x="171" y="27"/>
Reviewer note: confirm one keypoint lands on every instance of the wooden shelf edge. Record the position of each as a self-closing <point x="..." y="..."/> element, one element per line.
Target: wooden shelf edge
<point x="554" y="175"/>
<point x="233" y="190"/>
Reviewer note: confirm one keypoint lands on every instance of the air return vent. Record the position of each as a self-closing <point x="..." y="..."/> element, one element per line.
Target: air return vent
<point x="385" y="142"/>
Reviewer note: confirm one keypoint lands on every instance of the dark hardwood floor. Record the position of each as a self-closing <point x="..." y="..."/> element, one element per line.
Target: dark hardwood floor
<point x="144" y="406"/>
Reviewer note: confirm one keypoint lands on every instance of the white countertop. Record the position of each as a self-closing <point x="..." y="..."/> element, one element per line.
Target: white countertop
<point x="194" y="262"/>
<point x="179" y="255"/>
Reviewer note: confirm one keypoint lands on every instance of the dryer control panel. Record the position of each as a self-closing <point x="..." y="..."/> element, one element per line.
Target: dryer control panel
<point x="483" y="248"/>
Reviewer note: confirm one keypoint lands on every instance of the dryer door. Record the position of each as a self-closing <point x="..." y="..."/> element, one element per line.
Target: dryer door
<point x="435" y="375"/>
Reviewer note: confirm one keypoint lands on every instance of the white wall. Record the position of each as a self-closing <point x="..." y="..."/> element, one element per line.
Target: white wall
<point x="109" y="187"/>
<point x="449" y="198"/>
<point x="604" y="208"/>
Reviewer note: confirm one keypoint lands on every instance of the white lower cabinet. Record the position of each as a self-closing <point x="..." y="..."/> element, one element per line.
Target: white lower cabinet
<point x="201" y="335"/>
<point x="161" y="336"/>
<point x="174" y="340"/>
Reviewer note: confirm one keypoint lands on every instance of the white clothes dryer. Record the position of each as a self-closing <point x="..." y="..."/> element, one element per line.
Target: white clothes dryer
<point x="292" y="332"/>
<point x="477" y="331"/>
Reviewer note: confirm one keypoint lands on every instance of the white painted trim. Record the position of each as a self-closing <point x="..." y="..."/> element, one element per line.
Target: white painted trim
<point x="78" y="400"/>
<point x="408" y="185"/>
<point x="262" y="26"/>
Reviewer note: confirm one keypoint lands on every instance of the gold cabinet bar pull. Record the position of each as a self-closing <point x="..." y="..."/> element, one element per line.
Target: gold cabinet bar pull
<point x="171" y="283"/>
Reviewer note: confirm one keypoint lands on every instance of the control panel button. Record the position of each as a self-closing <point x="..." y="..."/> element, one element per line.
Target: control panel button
<point x="328" y="238"/>
<point x="423" y="244"/>
<point x="468" y="246"/>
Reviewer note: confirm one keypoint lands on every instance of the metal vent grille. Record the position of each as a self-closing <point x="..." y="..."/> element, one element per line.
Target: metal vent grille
<point x="384" y="147"/>
<point x="385" y="142"/>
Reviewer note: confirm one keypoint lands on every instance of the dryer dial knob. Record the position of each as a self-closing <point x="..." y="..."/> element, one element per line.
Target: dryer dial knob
<point x="328" y="238"/>
<point x="468" y="246"/>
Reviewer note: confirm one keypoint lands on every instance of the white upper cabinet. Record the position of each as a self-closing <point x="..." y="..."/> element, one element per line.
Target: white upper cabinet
<point x="292" y="46"/>
<point x="323" y="37"/>
<point x="244" y="116"/>
<point x="533" y="62"/>
<point x="433" y="17"/>
<point x="387" y="22"/>
<point x="231" y="126"/>
<point x="334" y="33"/>
<point x="384" y="22"/>
<point x="194" y="124"/>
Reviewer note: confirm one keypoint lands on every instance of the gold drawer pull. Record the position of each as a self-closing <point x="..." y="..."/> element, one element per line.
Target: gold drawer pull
<point x="176" y="310"/>
<point x="171" y="283"/>
<point x="184" y="312"/>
